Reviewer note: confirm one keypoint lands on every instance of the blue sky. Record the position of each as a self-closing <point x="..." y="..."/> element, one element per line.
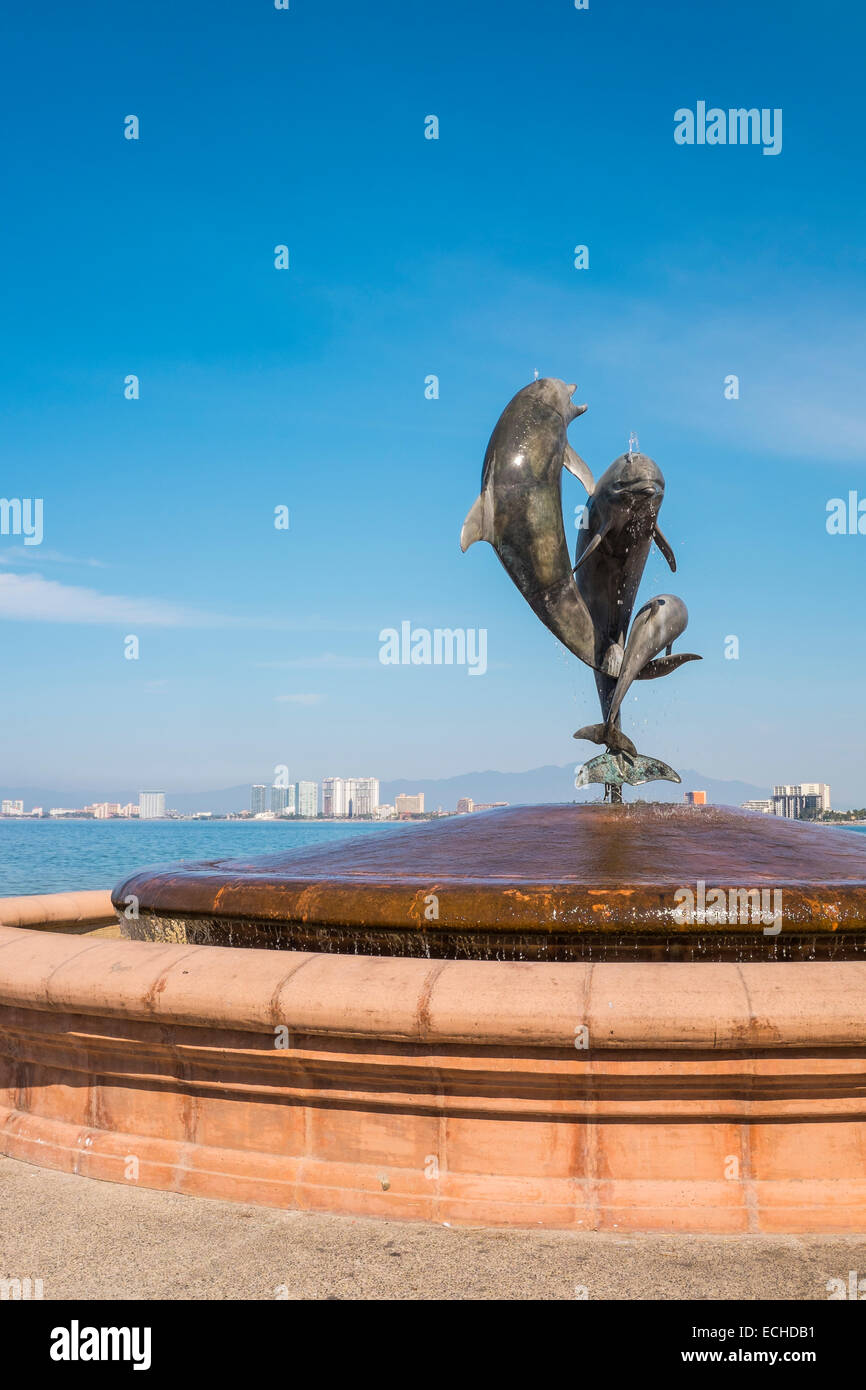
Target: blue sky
<point x="305" y="387"/>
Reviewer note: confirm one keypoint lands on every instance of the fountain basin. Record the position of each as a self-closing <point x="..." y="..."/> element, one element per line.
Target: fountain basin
<point x="628" y="1097"/>
<point x="622" y="1093"/>
<point x="553" y="883"/>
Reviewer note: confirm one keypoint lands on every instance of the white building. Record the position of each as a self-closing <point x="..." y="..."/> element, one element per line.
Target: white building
<point x="307" y="799"/>
<point x="409" y="805"/>
<point x="793" y="800"/>
<point x="151" y="805"/>
<point x="283" y="800"/>
<point x="334" y="800"/>
<point x="258" y="798"/>
<point x="362" y="794"/>
<point x="12" y="808"/>
<point x="350" y="796"/>
<point x="765" y="807"/>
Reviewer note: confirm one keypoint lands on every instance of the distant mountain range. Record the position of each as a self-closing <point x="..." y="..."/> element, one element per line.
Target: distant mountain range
<point x="552" y="783"/>
<point x="538" y="784"/>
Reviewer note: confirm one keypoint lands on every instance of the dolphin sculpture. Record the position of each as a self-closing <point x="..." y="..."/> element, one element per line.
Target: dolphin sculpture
<point x="519" y="508"/>
<point x="587" y="606"/>
<point x="620" y="525"/>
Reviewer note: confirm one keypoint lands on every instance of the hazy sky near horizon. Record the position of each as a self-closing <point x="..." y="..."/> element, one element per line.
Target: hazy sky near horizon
<point x="306" y="387"/>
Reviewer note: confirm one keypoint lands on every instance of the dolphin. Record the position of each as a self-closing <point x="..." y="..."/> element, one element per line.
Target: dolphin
<point x="621" y="523"/>
<point x="656" y="626"/>
<point x="519" y="509"/>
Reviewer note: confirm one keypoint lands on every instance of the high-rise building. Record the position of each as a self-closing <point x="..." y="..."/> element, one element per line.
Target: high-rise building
<point x="695" y="798"/>
<point x="151" y="805"/>
<point x="334" y="799"/>
<point x="12" y="808"/>
<point x="362" y="796"/>
<point x="350" y="796"/>
<point x="283" y="800"/>
<point x="801" y="798"/>
<point x="258" y="798"/>
<point x="409" y="805"/>
<point x="465" y="805"/>
<point x="307" y="799"/>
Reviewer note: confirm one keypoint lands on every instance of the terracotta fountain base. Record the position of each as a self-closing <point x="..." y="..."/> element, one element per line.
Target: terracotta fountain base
<point x="623" y="1095"/>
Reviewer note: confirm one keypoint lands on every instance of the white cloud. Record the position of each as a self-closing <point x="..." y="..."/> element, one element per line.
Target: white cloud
<point x="31" y="598"/>
<point x="22" y="555"/>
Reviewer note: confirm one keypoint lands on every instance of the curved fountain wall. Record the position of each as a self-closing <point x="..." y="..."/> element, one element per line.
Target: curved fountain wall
<point x="692" y="1097"/>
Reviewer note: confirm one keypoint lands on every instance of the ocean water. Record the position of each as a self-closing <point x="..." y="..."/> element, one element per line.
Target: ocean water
<point x="55" y="856"/>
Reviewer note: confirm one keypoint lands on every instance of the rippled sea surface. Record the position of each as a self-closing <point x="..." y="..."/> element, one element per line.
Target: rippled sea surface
<point x="45" y="856"/>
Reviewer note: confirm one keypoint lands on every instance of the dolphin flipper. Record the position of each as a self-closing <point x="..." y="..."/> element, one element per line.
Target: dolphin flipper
<point x="593" y="545"/>
<point x="665" y="548"/>
<point x="575" y="465"/>
<point x="473" y="526"/>
<point x="663" y="665"/>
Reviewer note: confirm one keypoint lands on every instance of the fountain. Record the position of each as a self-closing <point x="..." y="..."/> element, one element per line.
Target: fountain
<point x="610" y="1016"/>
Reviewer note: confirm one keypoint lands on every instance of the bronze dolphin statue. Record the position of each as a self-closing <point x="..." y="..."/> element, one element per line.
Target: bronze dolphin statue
<point x="620" y="524"/>
<point x="519" y="508"/>
<point x="588" y="607"/>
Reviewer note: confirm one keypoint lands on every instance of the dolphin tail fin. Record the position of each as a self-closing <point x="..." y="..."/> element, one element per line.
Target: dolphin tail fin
<point x="613" y="767"/>
<point x="663" y="665"/>
<point x="473" y="527"/>
<point x="613" y="738"/>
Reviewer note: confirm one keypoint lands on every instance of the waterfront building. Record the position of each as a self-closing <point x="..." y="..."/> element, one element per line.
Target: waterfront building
<point x="801" y="798"/>
<point x="765" y="806"/>
<point x="12" y="808"/>
<point x="409" y="805"/>
<point x="695" y="798"/>
<point x="488" y="805"/>
<point x="384" y="811"/>
<point x="283" y="800"/>
<point x="362" y="795"/>
<point x="307" y="799"/>
<point x="334" y="801"/>
<point x="258" y="798"/>
<point x="465" y="806"/>
<point x="350" y="796"/>
<point x="151" y="805"/>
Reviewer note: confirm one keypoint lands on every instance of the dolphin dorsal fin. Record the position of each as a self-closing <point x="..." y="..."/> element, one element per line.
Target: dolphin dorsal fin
<point x="575" y="465"/>
<point x="665" y="548"/>
<point x="473" y="526"/>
